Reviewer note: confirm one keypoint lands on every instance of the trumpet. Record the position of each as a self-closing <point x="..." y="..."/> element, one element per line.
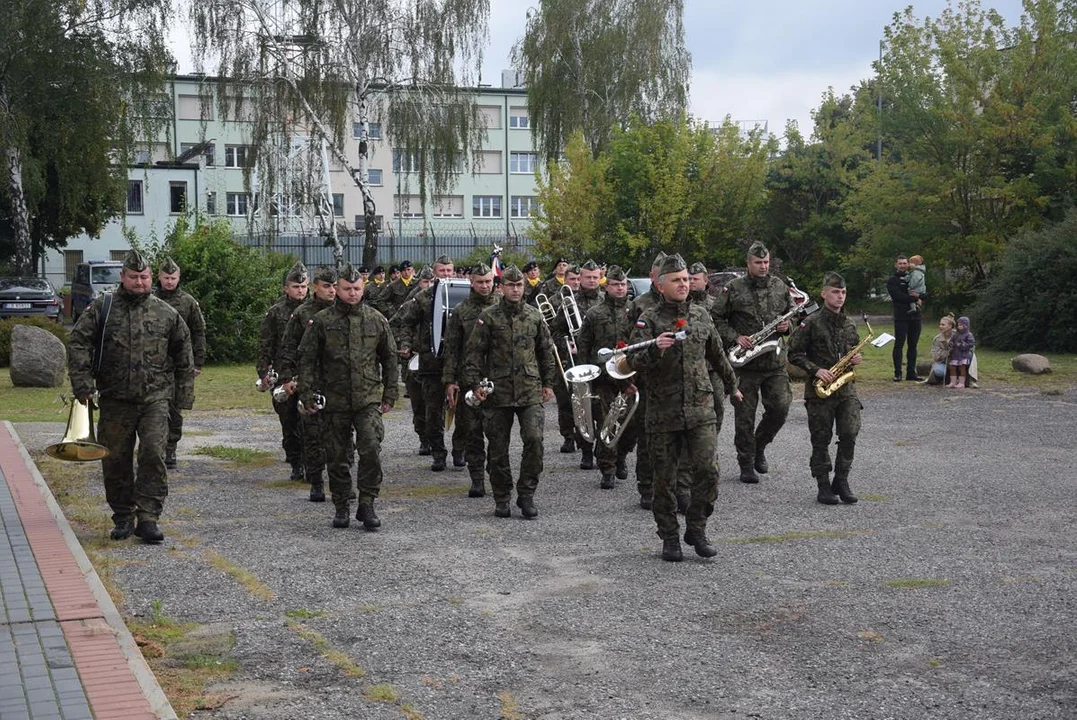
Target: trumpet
<point x="616" y="365"/>
<point x="264" y="383"/>
<point x="621" y="411"/>
<point x="842" y="369"/>
<point x="473" y="400"/>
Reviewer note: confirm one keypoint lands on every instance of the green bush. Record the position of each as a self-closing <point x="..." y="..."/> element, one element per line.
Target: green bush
<point x="1030" y="300"/>
<point x="6" y="327"/>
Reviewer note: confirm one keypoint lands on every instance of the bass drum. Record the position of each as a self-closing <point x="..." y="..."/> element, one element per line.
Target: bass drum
<point x="448" y="293"/>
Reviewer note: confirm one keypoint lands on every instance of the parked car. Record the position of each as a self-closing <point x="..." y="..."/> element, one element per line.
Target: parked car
<point x="638" y="286"/>
<point x="28" y="297"/>
<point x="90" y="280"/>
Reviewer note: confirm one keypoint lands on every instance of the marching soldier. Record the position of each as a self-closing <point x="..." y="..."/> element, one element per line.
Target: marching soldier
<point x="325" y="291"/>
<point x="604" y="326"/>
<point x="413" y="390"/>
<point x="533" y="279"/>
<point x="584" y="282"/>
<point x="510" y="345"/>
<point x="396" y="292"/>
<point x="413" y="328"/>
<point x="348" y="355"/>
<point x="644" y="466"/>
<point x="559" y="331"/>
<point x="680" y="413"/>
<point x="168" y="280"/>
<point x="552" y="286"/>
<point x="271" y="337"/>
<point x="146" y="364"/>
<point x="454" y="343"/>
<point x="743" y="308"/>
<point x="816" y="346"/>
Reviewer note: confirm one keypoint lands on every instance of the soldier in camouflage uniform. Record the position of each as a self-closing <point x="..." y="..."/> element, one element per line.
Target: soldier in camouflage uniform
<point x="551" y="287"/>
<point x="604" y="326"/>
<point x="168" y="280"/>
<point x="680" y="418"/>
<point x="396" y="292"/>
<point x="532" y="281"/>
<point x="413" y="389"/>
<point x="820" y="341"/>
<point x="453" y="344"/>
<point x="510" y="345"/>
<point x="375" y="286"/>
<point x="325" y="291"/>
<point x="413" y="330"/>
<point x="145" y="365"/>
<point x="349" y="356"/>
<point x="744" y="306"/>
<point x="270" y="339"/>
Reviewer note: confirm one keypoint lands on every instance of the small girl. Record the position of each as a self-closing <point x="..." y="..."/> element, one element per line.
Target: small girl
<point x="940" y="351"/>
<point x="962" y="344"/>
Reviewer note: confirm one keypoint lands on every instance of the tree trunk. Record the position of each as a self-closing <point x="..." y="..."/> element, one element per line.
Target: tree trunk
<point x="19" y="214"/>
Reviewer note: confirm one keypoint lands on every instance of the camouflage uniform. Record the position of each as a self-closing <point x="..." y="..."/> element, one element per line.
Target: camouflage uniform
<point x="412" y="327"/>
<point x="742" y="308"/>
<point x="680" y="418"/>
<point x="511" y="346"/>
<point x="454" y="344"/>
<point x="393" y="296"/>
<point x="348" y="355"/>
<point x="644" y="466"/>
<point x="147" y="364"/>
<point x="271" y="338"/>
<point x="188" y="309"/>
<point x="371" y="291"/>
<point x="566" y="422"/>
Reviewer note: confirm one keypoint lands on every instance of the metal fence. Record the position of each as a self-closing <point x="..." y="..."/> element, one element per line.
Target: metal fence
<point x="420" y="250"/>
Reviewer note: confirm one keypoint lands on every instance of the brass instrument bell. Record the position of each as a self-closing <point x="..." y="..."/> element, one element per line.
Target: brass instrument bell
<point x="80" y="440"/>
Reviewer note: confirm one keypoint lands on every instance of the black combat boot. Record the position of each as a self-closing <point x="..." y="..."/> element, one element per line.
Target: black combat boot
<point x="365" y="514"/>
<point x="149" y="532"/>
<point x="527" y="507"/>
<point x="297" y="471"/>
<point x="438" y="465"/>
<point x="698" y="540"/>
<point x="458" y="459"/>
<point x="622" y="468"/>
<point x="317" y="491"/>
<point x="123" y="528"/>
<point x="424" y="447"/>
<point x="683" y="501"/>
<point x="761" y="465"/>
<point x="841" y="487"/>
<point x="477" y="489"/>
<point x="568" y="446"/>
<point x="170" y="459"/>
<point x="341" y="519"/>
<point x="607" y="482"/>
<point x="587" y="459"/>
<point x="748" y="476"/>
<point x="826" y="496"/>
<point x="646" y="501"/>
<point x="671" y="550"/>
<point x="501" y="509"/>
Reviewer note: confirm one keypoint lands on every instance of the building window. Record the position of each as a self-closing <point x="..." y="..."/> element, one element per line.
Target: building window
<point x="518" y="118"/>
<point x="134" y="197"/>
<point x="522" y="162"/>
<point x="373" y="130"/>
<point x="211" y="203"/>
<point x="72" y="258"/>
<point x="489" y="163"/>
<point x="523" y="206"/>
<point x="374" y="176"/>
<point x="142" y="157"/>
<point x="287" y="206"/>
<point x="193" y="107"/>
<point x="405" y="162"/>
<point x="448" y="206"/>
<point x="486" y="206"/>
<point x="209" y="153"/>
<point x="237" y="156"/>
<point x="407" y="206"/>
<point x="338" y="204"/>
<point x="117" y="255"/>
<point x="177" y="197"/>
<point x="236" y="204"/>
<point x="490" y="116"/>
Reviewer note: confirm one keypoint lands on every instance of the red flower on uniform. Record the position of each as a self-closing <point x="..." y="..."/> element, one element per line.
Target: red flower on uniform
<point x="681" y="322"/>
<point x="621" y="344"/>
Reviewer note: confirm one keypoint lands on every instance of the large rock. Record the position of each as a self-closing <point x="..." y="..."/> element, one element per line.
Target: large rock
<point x="1031" y="363"/>
<point x="38" y="358"/>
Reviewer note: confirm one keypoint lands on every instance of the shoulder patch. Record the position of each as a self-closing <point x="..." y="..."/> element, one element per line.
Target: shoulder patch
<point x="479" y="322"/>
<point x="310" y="322"/>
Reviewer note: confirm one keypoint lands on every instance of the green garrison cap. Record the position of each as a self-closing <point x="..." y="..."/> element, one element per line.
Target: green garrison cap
<point x="443" y="260"/>
<point x="658" y="260"/>
<point x="589" y="265"/>
<point x="511" y="274"/>
<point x="427" y="273"/>
<point x="615" y="272"/>
<point x="326" y="274"/>
<point x="574" y="269"/>
<point x="350" y="273"/>
<point x="169" y="266"/>
<point x="671" y="264"/>
<point x="134" y="261"/>
<point x="697" y="268"/>
<point x="832" y="279"/>
<point x="758" y="250"/>
<point x="298" y="274"/>
<point x="481" y="269"/>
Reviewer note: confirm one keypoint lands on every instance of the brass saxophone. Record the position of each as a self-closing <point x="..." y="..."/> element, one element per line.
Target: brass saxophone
<point x="842" y="369"/>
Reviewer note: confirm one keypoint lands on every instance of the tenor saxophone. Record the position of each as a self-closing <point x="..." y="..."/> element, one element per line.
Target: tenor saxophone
<point x="842" y="369"/>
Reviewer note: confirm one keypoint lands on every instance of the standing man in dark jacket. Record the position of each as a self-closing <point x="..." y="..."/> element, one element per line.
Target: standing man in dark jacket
<point x="680" y="418"/>
<point x="743" y="307"/>
<point x="349" y="356"/>
<point x="168" y="280"/>
<point x="146" y="364"/>
<point x="907" y="322"/>
<point x="510" y="345"/>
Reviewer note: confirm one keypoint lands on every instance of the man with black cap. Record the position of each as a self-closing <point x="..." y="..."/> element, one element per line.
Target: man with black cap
<point x="145" y="363"/>
<point x="365" y="272"/>
<point x="680" y="418"/>
<point x="510" y="345"/>
<point x="348" y="355"/>
<point x="743" y="307"/>
<point x="375" y="286"/>
<point x="325" y="292"/>
<point x="468" y="434"/>
<point x="533" y="281"/>
<point x="413" y="330"/>
<point x="396" y="292"/>
<point x="168" y="280"/>
<point x="821" y="340"/>
<point x="552" y="286"/>
<point x="271" y="337"/>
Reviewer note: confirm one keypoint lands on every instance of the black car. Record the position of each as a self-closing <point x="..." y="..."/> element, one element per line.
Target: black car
<point x="28" y="297"/>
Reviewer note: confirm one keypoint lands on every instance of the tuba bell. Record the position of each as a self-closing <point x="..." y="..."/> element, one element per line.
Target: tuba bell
<point x="621" y="411"/>
<point x="80" y="440"/>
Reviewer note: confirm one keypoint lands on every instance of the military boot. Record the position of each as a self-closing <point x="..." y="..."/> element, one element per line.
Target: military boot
<point x="607" y="482"/>
<point x="698" y="540"/>
<point x="568" y="446"/>
<point x="149" y="532"/>
<point x="841" y="487"/>
<point x="747" y="475"/>
<point x="646" y="501"/>
<point x="317" y="491"/>
<point x="587" y="459"/>
<point x="365" y="514"/>
<point x="123" y="528"/>
<point x="424" y="447"/>
<point x="671" y="550"/>
<point x="622" y="468"/>
<point x="826" y="495"/>
<point x="527" y="507"/>
<point x="478" y="488"/>
<point x="341" y="519"/>
<point x="170" y="459"/>
<point x="458" y="459"/>
<point x="439" y="464"/>
<point x="501" y="509"/>
<point x="761" y="465"/>
<point x="297" y="471"/>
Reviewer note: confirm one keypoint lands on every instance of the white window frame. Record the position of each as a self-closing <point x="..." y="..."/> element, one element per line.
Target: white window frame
<point x="518" y="159"/>
<point x="172" y="185"/>
<point x="210" y="153"/>
<point x="233" y="201"/>
<point x="486" y="206"/>
<point x="521" y="120"/>
<point x="370" y="176"/>
<point x="438" y="206"/>
<point x="232" y="155"/>
<point x="521" y="202"/>
<point x="338" y="208"/>
<point x="408" y="199"/>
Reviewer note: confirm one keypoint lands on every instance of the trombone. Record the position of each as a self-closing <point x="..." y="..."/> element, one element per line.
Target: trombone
<point x="549" y="314"/>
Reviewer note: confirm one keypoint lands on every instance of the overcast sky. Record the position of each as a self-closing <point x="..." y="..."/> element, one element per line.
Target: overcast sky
<point x="769" y="60"/>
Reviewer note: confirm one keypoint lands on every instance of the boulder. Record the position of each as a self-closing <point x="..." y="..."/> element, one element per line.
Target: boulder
<point x="38" y="358"/>
<point x="1031" y="363"/>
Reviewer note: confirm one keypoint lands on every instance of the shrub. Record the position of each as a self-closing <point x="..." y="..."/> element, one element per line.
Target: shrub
<point x="1031" y="298"/>
<point x="6" y="327"/>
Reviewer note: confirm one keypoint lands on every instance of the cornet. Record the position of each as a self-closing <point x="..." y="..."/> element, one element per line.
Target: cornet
<point x="264" y="383"/>
<point x="486" y="385"/>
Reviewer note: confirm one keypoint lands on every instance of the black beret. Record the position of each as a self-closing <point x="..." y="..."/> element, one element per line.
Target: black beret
<point x="405" y="264"/>
<point x="528" y="267"/>
<point x="379" y="270"/>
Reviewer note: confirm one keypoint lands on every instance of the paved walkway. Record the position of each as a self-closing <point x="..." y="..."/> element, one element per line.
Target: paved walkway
<point x="65" y="652"/>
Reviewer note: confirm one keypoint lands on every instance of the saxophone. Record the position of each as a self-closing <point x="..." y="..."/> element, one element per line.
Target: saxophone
<point x="842" y="369"/>
<point x="739" y="357"/>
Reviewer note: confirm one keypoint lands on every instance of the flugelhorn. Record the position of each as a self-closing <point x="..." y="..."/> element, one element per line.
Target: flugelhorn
<point x="841" y="370"/>
<point x="265" y="383"/>
<point x="614" y="358"/>
<point x="80" y="441"/>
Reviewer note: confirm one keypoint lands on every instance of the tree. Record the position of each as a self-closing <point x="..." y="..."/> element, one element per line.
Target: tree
<point x="313" y="67"/>
<point x="591" y="65"/>
<point x="78" y="86"/>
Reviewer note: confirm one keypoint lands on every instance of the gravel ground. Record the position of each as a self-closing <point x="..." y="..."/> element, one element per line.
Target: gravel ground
<point x="574" y="615"/>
